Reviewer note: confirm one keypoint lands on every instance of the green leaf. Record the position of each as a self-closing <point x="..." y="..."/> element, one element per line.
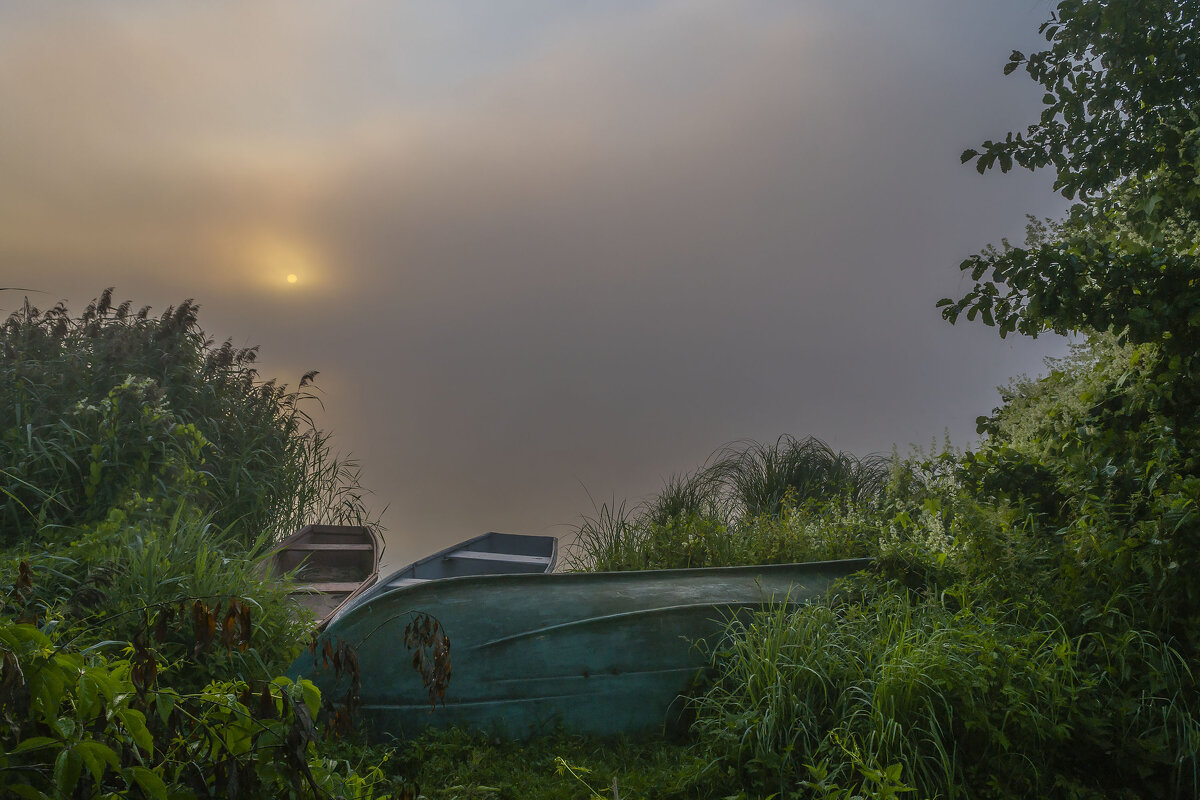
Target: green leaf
<point x="87" y="698"/>
<point x="967" y="155"/>
<point x="36" y="743"/>
<point x="65" y="726"/>
<point x="149" y="782"/>
<point x="25" y="791"/>
<point x="135" y="724"/>
<point x="67" y="769"/>
<point x="311" y="695"/>
<point x="164" y="703"/>
<point x="46" y="688"/>
<point x="96" y="756"/>
<point x="15" y="635"/>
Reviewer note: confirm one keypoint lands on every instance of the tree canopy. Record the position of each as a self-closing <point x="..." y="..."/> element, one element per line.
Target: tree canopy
<point x="1108" y="450"/>
<point x="1122" y="132"/>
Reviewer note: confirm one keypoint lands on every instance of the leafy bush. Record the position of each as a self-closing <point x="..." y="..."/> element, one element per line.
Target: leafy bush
<point x="145" y="471"/>
<point x="1115" y="444"/>
<point x="124" y="567"/>
<point x="1090" y="453"/>
<point x="80" y="723"/>
<point x="97" y="409"/>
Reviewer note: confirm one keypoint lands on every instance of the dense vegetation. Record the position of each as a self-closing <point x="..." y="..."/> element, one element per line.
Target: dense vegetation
<point x="1030" y="628"/>
<point x="113" y="407"/>
<point x="142" y="470"/>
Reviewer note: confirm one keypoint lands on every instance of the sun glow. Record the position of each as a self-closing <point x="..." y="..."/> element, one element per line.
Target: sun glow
<point x="281" y="260"/>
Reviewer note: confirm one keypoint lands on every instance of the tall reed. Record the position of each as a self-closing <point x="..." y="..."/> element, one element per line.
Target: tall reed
<point x="101" y="408"/>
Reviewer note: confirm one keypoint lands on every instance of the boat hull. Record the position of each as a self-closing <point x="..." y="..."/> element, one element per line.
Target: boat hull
<point x="598" y="653"/>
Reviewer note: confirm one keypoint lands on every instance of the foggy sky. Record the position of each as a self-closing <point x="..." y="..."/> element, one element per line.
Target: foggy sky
<point x="544" y="250"/>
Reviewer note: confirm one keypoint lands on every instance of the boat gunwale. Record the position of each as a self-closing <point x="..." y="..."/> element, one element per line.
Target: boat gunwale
<point x="466" y="545"/>
<point x="351" y="614"/>
<point x="380" y="585"/>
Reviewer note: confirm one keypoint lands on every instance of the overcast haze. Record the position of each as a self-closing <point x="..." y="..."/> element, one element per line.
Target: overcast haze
<point x="542" y="249"/>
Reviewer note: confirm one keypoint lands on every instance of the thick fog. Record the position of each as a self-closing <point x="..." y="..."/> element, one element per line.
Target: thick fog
<point x="544" y="253"/>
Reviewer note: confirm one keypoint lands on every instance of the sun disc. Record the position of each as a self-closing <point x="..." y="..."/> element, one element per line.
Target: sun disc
<point x="280" y="261"/>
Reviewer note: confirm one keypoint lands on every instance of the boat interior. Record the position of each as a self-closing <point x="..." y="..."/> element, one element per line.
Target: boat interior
<point x="489" y="554"/>
<point x="329" y="554"/>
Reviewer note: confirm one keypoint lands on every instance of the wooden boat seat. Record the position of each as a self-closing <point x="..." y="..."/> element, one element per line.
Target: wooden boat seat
<point x="511" y="558"/>
<point x="328" y="546"/>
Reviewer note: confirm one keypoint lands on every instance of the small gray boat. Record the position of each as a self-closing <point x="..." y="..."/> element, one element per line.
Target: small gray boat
<point x="331" y="564"/>
<point x="489" y="554"/>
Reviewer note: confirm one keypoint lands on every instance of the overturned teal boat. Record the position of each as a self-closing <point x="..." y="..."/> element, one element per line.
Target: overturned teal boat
<point x="600" y="653"/>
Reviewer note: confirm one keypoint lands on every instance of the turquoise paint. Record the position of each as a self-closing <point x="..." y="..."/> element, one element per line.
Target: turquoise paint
<point x="600" y="653"/>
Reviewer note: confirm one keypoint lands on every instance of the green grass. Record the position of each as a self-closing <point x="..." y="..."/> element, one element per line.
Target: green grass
<point x="459" y="765"/>
<point x="794" y="500"/>
<point x="762" y="479"/>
